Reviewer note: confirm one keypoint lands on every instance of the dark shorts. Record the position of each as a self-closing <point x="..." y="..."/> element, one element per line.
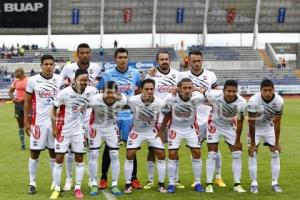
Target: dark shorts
<point x="19" y="110"/>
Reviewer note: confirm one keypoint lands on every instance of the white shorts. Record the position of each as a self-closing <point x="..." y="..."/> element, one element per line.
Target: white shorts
<point x="135" y="140"/>
<point x="267" y="134"/>
<point x="75" y="142"/>
<point x="214" y="134"/>
<point x="41" y="137"/>
<point x="191" y="135"/>
<point x="109" y="134"/>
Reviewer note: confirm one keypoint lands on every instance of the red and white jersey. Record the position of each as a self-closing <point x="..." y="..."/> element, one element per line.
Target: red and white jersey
<point x="164" y="83"/>
<point x="72" y="109"/>
<point x="94" y="70"/>
<point x="103" y="115"/>
<point x="224" y="113"/>
<point x="266" y="110"/>
<point x="43" y="90"/>
<point x="184" y="113"/>
<point x="145" y="117"/>
<point x="206" y="79"/>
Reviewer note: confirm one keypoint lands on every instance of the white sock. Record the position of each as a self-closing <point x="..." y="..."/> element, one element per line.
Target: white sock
<point x="210" y="166"/>
<point x="69" y="164"/>
<point x="57" y="175"/>
<point x="93" y="165"/>
<point x="237" y="166"/>
<point x="32" y="166"/>
<point x="172" y="171"/>
<point x="218" y="165"/>
<point x="115" y="166"/>
<point x="252" y="164"/>
<point x="79" y="168"/>
<point x="151" y="171"/>
<point x="128" y="168"/>
<point x="177" y="172"/>
<point x="197" y="167"/>
<point x="161" y="170"/>
<point x="275" y="165"/>
<point x="52" y="163"/>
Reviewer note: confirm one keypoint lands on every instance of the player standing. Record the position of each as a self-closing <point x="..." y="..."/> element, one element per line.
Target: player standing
<point x="68" y="127"/>
<point x="40" y="92"/>
<point x="146" y="109"/>
<point x="265" y="111"/>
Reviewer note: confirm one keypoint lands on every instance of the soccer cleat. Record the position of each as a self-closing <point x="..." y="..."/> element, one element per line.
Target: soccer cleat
<point x="94" y="190"/>
<point x="31" y="189"/>
<point x="52" y="187"/>
<point x="254" y="189"/>
<point x="171" y="188"/>
<point x="149" y="185"/>
<point x="219" y="182"/>
<point x="128" y="188"/>
<point x="209" y="188"/>
<point x="54" y="195"/>
<point x="238" y="188"/>
<point x="179" y="185"/>
<point x="193" y="185"/>
<point x="78" y="194"/>
<point x="199" y="188"/>
<point x="136" y="184"/>
<point x="68" y="184"/>
<point x="102" y="184"/>
<point x="161" y="188"/>
<point x="115" y="190"/>
<point x="276" y="188"/>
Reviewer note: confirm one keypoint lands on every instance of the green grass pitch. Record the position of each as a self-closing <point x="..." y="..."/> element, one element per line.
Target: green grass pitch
<point x="14" y="167"/>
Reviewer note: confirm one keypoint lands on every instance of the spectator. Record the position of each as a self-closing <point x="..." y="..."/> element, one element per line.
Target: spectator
<point x="186" y="61"/>
<point x="283" y="62"/>
<point x="53" y="47"/>
<point x="21" y="51"/>
<point x="181" y="44"/>
<point x="115" y="44"/>
<point x="32" y="72"/>
<point x="101" y="51"/>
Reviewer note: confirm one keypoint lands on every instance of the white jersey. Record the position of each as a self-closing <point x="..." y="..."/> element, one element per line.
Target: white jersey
<point x="103" y="115"/>
<point x="72" y="109"/>
<point x="69" y="70"/>
<point x="183" y="112"/>
<point x="145" y="117"/>
<point x="223" y="113"/>
<point x="206" y="79"/>
<point x="266" y="110"/>
<point x="164" y="83"/>
<point x="43" y="90"/>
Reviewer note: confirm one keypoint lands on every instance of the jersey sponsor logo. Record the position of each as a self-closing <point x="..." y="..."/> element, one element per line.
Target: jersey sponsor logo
<point x="124" y="88"/>
<point x="172" y="135"/>
<point x="93" y="133"/>
<point x="133" y="135"/>
<point x="165" y="88"/>
<point x="146" y="119"/>
<point x="36" y="132"/>
<point x="47" y="94"/>
<point x="182" y="114"/>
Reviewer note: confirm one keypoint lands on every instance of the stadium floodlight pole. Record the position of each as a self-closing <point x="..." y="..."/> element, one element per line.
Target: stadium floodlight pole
<point x="204" y="31"/>
<point x="101" y="23"/>
<point x="255" y="29"/>
<point x="49" y="23"/>
<point x="154" y="22"/>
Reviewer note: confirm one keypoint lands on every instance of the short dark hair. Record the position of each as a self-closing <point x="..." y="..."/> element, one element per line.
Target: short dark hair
<point x="195" y="52"/>
<point x="266" y="83"/>
<point x="83" y="45"/>
<point x="120" y="50"/>
<point x="184" y="80"/>
<point x="230" y="83"/>
<point x="80" y="72"/>
<point x="162" y="51"/>
<point x="148" y="80"/>
<point x="111" y="85"/>
<point x="46" y="57"/>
